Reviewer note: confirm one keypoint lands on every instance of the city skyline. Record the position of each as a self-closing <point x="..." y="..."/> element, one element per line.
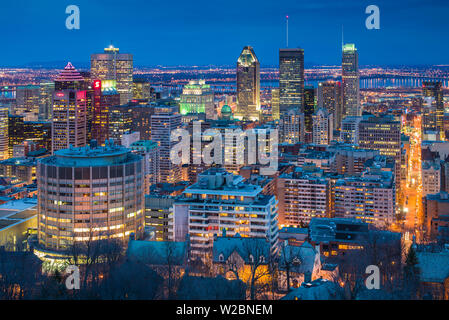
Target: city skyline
<point x="156" y="33"/>
<point x="244" y="182"/>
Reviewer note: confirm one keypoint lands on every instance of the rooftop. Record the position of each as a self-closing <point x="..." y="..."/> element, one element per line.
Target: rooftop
<point x="69" y="74"/>
<point x="319" y="289"/>
<point x="88" y="156"/>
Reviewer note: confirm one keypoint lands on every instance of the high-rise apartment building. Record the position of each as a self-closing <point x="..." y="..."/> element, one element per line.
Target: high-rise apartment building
<point x="113" y="65"/>
<point x="141" y="89"/>
<point x="351" y="81"/>
<point x="429" y="116"/>
<point x="119" y="122"/>
<point x="89" y="194"/>
<point x="45" y="100"/>
<point x="291" y="79"/>
<point x="303" y="194"/>
<point x="150" y="151"/>
<point x="323" y="122"/>
<point x="330" y="98"/>
<point x="27" y="102"/>
<point x="370" y="197"/>
<point x="350" y="129"/>
<point x="435" y="90"/>
<point x="309" y="107"/>
<point x="163" y="122"/>
<point x="223" y="203"/>
<point x="292" y="126"/>
<point x="248" y="85"/>
<point x="4" y="140"/>
<point x="141" y="114"/>
<point x="349" y="159"/>
<point x="275" y="104"/>
<point x="431" y="177"/>
<point x="436" y="219"/>
<point x="15" y="132"/>
<point x="383" y="134"/>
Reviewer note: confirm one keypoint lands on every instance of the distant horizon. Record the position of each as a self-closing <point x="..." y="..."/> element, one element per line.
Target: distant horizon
<point x="57" y="65"/>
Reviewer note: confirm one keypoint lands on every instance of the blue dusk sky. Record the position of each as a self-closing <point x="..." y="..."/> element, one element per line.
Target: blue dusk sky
<point x="203" y="32"/>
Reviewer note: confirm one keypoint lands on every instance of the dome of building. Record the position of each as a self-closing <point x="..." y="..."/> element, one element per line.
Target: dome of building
<point x="226" y="111"/>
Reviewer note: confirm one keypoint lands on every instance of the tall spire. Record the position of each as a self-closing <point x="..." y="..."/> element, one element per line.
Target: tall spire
<point x="286" y="18"/>
<point x="342" y="37"/>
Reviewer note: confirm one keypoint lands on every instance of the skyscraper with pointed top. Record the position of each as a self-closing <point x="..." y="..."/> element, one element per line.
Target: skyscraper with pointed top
<point x="69" y="121"/>
<point x="248" y="85"/>
<point x="351" y="80"/>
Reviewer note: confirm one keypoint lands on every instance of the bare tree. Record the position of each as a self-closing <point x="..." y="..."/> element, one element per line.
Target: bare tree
<point x="288" y="260"/>
<point x="257" y="256"/>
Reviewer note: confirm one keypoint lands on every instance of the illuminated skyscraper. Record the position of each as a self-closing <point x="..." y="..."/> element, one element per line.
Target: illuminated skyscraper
<point x="70" y="79"/>
<point x="329" y="97"/>
<point x="309" y="107"/>
<point x="104" y="97"/>
<point x="322" y="127"/>
<point x="275" y="104"/>
<point x="141" y="89"/>
<point x="383" y="134"/>
<point x="292" y="126"/>
<point x="351" y="81"/>
<point x="4" y="154"/>
<point x="89" y="194"/>
<point x="197" y="97"/>
<point x="45" y="100"/>
<point x="163" y="122"/>
<point x="112" y="65"/>
<point x="291" y="79"/>
<point x="27" y="102"/>
<point x="69" y="119"/>
<point x="69" y="111"/>
<point x="248" y="85"/>
<point x="435" y="91"/>
<point x="429" y="115"/>
<point x="15" y="132"/>
<point x="119" y="122"/>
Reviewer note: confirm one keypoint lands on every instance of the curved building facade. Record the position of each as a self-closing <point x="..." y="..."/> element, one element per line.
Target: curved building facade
<point x="88" y="194"/>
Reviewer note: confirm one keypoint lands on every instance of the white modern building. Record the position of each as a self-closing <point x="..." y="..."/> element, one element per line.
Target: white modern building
<point x="222" y="202"/>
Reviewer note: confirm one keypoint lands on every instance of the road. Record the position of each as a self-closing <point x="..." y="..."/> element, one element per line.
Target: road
<point x="413" y="189"/>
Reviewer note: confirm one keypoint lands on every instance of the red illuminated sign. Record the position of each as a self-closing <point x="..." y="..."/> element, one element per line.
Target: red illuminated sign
<point x="97" y="84"/>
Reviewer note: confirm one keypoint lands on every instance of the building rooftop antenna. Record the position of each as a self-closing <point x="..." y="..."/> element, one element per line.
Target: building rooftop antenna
<point x="342" y="37"/>
<point x="286" y="19"/>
